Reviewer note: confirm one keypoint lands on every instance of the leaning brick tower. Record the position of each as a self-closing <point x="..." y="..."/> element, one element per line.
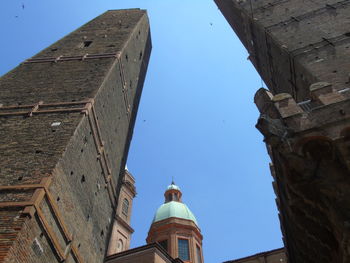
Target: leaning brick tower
<point x="66" y="121"/>
<point x="301" y="49"/>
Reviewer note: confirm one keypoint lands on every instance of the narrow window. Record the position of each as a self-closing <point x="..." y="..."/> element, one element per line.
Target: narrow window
<point x="164" y="244"/>
<point x="170" y="197"/>
<point x="120" y="245"/>
<point x="125" y="208"/>
<point x="184" y="252"/>
<point x="199" y="255"/>
<point x="175" y="197"/>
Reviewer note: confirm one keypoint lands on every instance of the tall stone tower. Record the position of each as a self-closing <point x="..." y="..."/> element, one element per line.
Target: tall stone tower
<point x="301" y="49"/>
<point x="176" y="229"/>
<point x="66" y="121"/>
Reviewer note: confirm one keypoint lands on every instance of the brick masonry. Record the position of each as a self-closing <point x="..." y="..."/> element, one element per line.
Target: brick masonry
<point x="301" y="50"/>
<point x="293" y="43"/>
<point x="66" y="121"/>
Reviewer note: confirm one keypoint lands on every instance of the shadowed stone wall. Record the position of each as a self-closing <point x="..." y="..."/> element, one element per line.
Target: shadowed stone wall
<point x="301" y="50"/>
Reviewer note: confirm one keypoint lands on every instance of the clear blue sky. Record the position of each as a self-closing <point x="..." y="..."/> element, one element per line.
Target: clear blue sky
<point x="195" y="122"/>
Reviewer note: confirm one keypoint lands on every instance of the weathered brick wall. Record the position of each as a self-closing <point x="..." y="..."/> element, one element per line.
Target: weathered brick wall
<point x="77" y="136"/>
<point x="301" y="50"/>
<point x="293" y="43"/>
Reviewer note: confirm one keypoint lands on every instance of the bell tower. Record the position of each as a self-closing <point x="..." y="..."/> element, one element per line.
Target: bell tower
<point x="176" y="229"/>
<point x="121" y="232"/>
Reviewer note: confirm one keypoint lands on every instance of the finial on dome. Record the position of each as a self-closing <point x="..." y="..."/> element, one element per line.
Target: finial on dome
<point x="173" y="186"/>
<point x="172" y="180"/>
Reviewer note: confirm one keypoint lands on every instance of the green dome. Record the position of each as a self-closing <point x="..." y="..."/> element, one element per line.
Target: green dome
<point x="174" y="209"/>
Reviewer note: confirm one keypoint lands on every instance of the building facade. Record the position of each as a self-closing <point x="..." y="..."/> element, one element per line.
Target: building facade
<point x="272" y="256"/>
<point x="66" y="121"/>
<point x="122" y="230"/>
<point x="173" y="237"/>
<point x="151" y="253"/>
<point x="301" y="51"/>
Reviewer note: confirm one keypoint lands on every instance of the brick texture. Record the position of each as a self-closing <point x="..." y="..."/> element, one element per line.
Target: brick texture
<point x="301" y="50"/>
<point x="66" y="118"/>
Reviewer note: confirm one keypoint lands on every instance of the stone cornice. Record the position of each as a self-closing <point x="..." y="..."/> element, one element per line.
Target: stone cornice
<point x="174" y="223"/>
<point x="124" y="224"/>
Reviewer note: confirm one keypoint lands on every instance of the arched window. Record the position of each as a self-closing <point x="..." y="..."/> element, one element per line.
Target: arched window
<point x="125" y="208"/>
<point x="120" y="245"/>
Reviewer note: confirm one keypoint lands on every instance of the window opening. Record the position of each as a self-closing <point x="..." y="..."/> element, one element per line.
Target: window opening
<point x="164" y="244"/>
<point x="87" y="43"/>
<point x="125" y="208"/>
<point x="184" y="252"/>
<point x="120" y="245"/>
<point x="199" y="255"/>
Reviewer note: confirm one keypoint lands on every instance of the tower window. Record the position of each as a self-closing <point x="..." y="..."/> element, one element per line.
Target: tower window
<point x="120" y="245"/>
<point x="176" y="198"/>
<point x="198" y="255"/>
<point x="125" y="208"/>
<point x="87" y="43"/>
<point x="170" y="197"/>
<point x="184" y="252"/>
<point x="164" y="244"/>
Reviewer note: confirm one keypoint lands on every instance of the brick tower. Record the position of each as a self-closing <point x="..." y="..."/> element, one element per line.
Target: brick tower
<point x="176" y="229"/>
<point x="301" y="49"/>
<point x="66" y="121"/>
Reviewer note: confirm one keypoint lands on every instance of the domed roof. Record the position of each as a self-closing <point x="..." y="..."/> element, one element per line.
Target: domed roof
<point x="173" y="186"/>
<point x="174" y="209"/>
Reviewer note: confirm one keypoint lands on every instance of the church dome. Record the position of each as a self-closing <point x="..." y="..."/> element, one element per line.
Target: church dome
<point x="173" y="206"/>
<point x="176" y="229"/>
<point x="174" y="209"/>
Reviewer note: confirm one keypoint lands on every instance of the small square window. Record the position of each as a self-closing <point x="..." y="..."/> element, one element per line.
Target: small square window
<point x="87" y="43"/>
